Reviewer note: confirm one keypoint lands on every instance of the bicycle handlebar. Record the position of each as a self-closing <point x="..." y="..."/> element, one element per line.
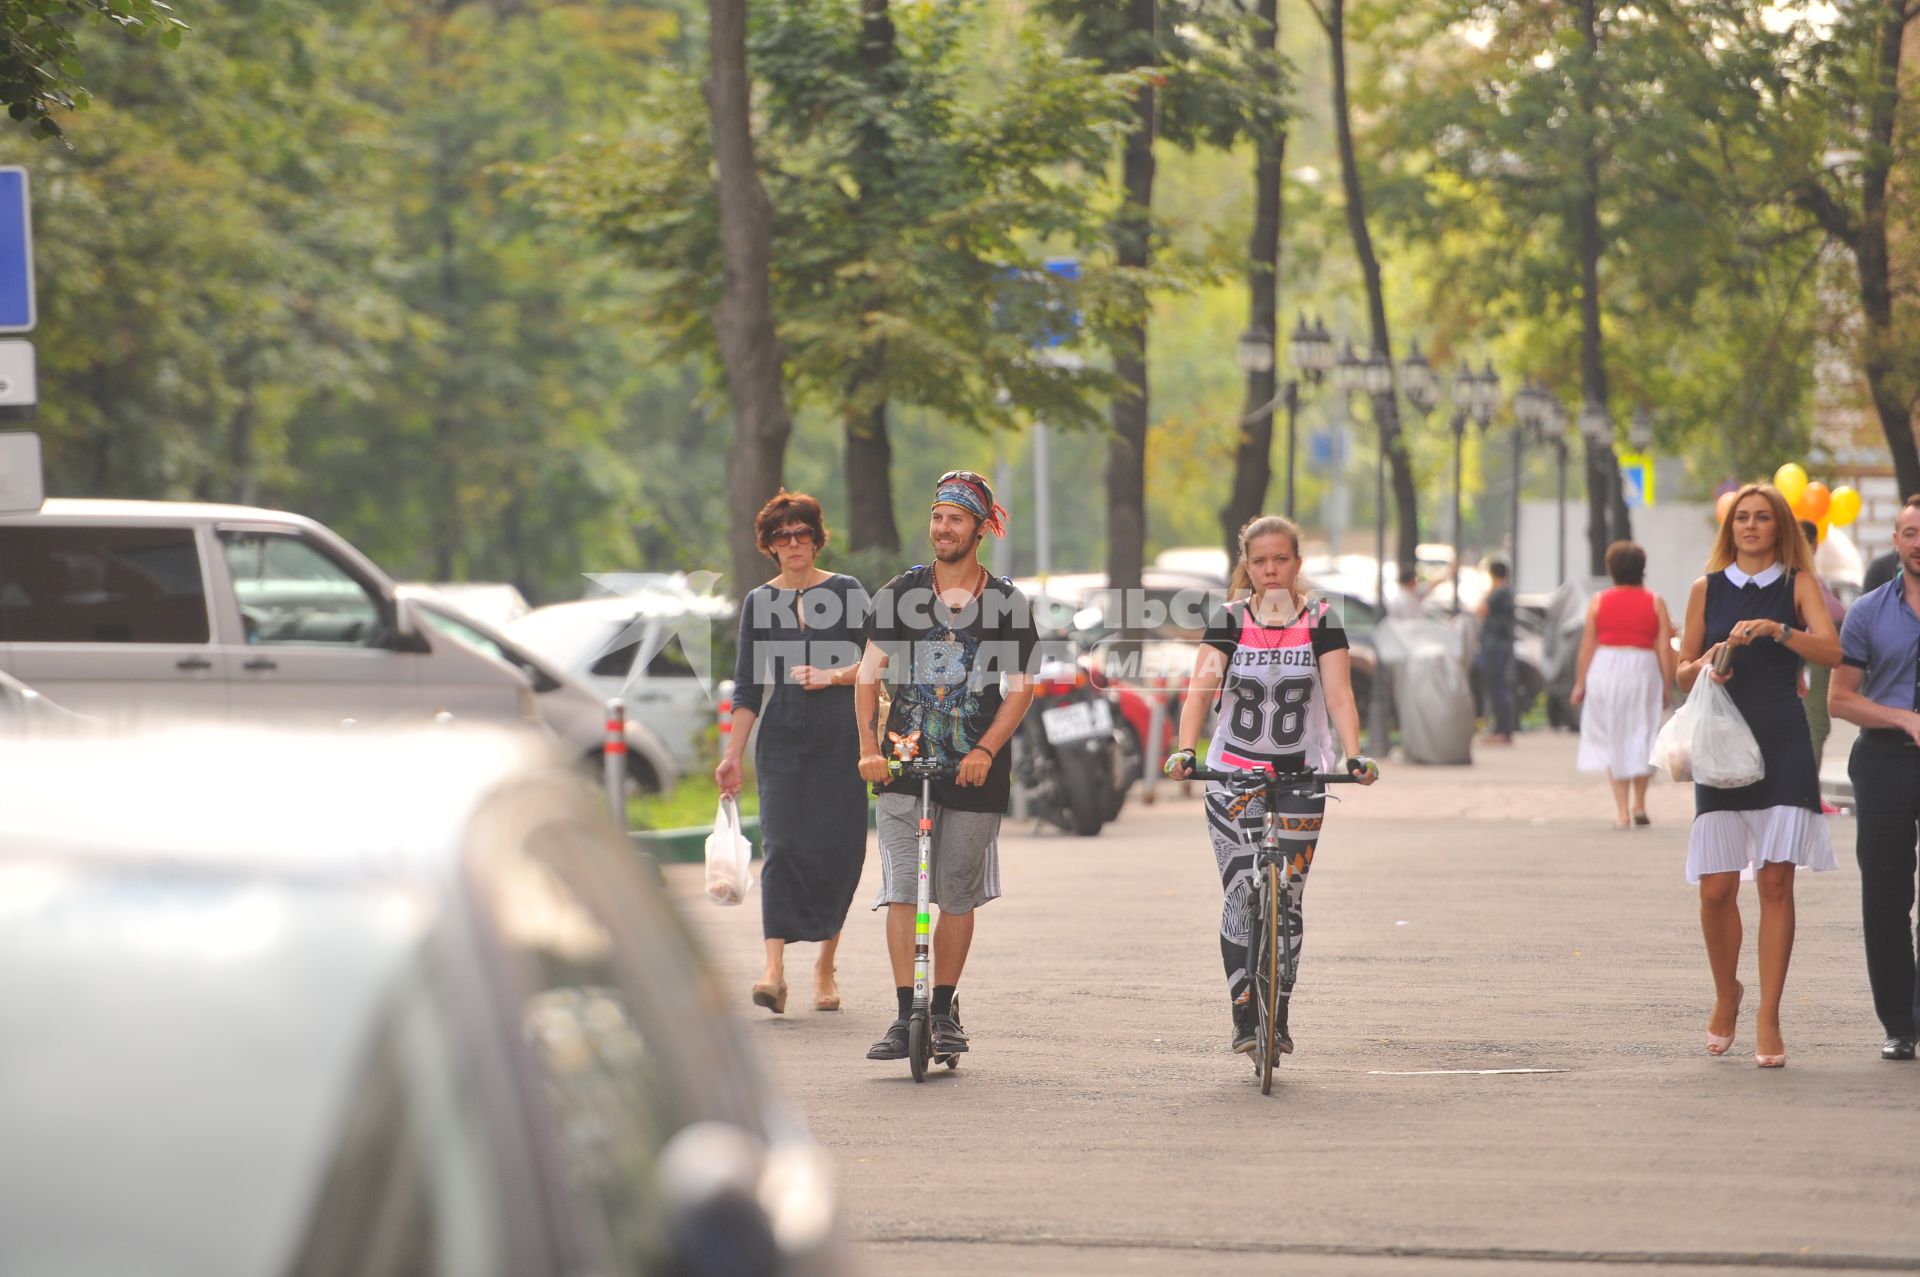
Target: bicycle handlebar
<point x="1263" y="779"/>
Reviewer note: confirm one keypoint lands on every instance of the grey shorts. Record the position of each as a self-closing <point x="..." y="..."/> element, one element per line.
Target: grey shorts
<point x="963" y="866"/>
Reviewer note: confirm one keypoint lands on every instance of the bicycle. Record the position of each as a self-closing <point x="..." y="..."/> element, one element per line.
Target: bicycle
<point x="1270" y="950"/>
<point x="920" y="1022"/>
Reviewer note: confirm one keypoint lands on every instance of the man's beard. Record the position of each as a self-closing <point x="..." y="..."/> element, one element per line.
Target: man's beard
<point x="958" y="554"/>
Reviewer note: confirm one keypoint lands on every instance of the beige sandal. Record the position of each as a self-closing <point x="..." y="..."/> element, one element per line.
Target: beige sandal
<point x="771" y="996"/>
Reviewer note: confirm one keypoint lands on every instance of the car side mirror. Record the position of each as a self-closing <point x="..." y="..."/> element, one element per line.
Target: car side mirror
<point x="409" y="629"/>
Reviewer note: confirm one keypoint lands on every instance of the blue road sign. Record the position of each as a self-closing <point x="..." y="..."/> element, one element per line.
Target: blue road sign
<point x="1326" y="450"/>
<point x="1636" y="479"/>
<point x="16" y="252"/>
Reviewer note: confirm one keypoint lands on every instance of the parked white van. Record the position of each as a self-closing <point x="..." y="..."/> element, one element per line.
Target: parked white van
<point x="157" y="610"/>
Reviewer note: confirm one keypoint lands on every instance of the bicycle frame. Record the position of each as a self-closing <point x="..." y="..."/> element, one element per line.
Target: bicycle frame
<point x="1270" y="930"/>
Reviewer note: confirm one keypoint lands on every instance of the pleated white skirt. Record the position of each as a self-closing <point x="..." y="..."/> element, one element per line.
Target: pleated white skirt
<point x="1737" y="841"/>
<point x="1622" y="712"/>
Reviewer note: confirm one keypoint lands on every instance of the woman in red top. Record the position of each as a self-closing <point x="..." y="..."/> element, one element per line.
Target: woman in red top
<point x="1626" y="666"/>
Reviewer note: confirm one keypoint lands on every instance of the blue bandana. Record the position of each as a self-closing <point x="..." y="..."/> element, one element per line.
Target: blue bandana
<point x="977" y="500"/>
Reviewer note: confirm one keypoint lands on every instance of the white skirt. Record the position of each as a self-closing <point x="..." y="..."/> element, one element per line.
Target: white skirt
<point x="1622" y="712"/>
<point x="1736" y="841"/>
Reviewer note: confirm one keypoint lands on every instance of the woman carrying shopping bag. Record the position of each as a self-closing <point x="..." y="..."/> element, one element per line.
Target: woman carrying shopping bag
<point x="800" y="644"/>
<point x="1760" y="603"/>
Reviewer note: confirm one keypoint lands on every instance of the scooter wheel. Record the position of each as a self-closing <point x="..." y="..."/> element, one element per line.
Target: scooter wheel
<point x="919" y="1046"/>
<point x="953" y="1061"/>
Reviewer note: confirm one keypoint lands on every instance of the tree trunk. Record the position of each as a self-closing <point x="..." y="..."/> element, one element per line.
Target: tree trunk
<point x="749" y="347"/>
<point x="1892" y="401"/>
<point x="1607" y="517"/>
<point x="1132" y="236"/>
<point x="868" y="468"/>
<point x="871" y="524"/>
<point x="1386" y="408"/>
<point x="1253" y="458"/>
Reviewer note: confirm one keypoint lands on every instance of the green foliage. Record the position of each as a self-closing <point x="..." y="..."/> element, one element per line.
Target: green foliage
<point x="900" y="209"/>
<point x="41" y="68"/>
<point x="1706" y="298"/>
<point x="279" y="266"/>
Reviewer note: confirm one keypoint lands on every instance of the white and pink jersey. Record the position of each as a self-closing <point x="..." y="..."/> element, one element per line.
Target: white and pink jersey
<point x="1272" y="711"/>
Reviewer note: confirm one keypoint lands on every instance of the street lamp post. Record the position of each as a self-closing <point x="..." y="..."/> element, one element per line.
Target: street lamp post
<point x="1475" y="397"/>
<point x="1554" y="431"/>
<point x="1533" y="407"/>
<point x="1377" y="380"/>
<point x="1311" y="348"/>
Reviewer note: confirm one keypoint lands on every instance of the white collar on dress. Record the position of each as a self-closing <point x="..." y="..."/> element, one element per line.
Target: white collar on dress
<point x="1765" y="577"/>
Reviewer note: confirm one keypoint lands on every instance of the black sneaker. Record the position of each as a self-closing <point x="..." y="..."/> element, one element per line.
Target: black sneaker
<point x="1245" y="1029"/>
<point x="892" y="1046"/>
<point x="1900" y="1048"/>
<point x="948" y="1037"/>
<point x="1282" y="1040"/>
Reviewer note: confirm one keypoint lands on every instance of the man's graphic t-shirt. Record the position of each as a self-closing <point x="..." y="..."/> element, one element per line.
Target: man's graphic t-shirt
<point x="1272" y="709"/>
<point x="944" y="670"/>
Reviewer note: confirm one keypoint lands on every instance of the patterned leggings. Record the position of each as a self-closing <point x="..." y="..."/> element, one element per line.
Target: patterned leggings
<point x="1236" y="823"/>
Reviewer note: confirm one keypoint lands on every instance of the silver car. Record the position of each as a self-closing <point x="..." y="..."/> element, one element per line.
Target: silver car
<point x="352" y="1003"/>
<point x="572" y="711"/>
<point x="649" y="648"/>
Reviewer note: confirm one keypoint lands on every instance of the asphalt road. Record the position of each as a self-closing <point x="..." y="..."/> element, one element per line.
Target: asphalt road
<point x="1458" y="920"/>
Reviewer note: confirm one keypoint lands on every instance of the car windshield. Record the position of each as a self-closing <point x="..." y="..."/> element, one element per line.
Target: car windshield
<point x="183" y="1053"/>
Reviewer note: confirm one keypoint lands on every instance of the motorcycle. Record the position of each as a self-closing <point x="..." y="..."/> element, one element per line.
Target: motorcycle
<point x="1064" y="750"/>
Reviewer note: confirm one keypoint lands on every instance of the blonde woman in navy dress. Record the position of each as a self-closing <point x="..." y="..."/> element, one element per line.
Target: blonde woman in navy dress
<point x="1760" y="599"/>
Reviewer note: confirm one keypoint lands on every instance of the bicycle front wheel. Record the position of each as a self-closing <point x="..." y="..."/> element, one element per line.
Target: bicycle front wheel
<point x="1267" y="972"/>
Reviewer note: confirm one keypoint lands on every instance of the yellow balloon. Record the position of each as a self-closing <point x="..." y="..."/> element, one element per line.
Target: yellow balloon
<point x="1844" y="506"/>
<point x="1791" y="480"/>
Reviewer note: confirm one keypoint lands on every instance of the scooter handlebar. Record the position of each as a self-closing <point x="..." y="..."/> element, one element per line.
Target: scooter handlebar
<point x="922" y="769"/>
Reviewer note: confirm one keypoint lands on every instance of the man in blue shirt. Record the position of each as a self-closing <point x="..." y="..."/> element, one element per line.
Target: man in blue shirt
<point x="1877" y="686"/>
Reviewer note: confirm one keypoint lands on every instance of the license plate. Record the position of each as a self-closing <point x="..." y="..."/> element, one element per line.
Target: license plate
<point x="1065" y="724"/>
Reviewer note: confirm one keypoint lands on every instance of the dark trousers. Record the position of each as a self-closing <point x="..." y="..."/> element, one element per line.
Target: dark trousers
<point x="1886" y="803"/>
<point x="1496" y="680"/>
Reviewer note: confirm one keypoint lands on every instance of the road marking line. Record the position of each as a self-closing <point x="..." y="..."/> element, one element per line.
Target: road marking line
<point x="1456" y="1072"/>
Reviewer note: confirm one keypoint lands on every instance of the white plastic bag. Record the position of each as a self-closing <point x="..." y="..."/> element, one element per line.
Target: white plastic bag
<point x="1708" y="741"/>
<point x="1673" y="746"/>
<point x="729" y="857"/>
<point x="1725" y="754"/>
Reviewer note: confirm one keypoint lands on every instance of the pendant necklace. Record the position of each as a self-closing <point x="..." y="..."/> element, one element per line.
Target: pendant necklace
<point x="979" y="584"/>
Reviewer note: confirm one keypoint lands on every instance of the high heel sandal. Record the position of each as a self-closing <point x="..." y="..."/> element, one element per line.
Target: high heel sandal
<point x="827" y="1001"/>
<point x="771" y="996"/>
<point x="1771" y="1061"/>
<point x="1718" y="1045"/>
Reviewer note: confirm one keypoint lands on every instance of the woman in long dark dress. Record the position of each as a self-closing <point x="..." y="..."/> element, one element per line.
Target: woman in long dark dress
<point x="1759" y="598"/>
<point x="800" y="644"/>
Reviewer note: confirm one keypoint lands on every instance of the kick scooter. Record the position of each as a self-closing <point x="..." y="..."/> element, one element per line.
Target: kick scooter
<point x="920" y="1023"/>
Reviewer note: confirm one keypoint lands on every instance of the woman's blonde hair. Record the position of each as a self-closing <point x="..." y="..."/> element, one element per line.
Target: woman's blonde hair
<point x="1788" y="545"/>
<point x="1265" y="525"/>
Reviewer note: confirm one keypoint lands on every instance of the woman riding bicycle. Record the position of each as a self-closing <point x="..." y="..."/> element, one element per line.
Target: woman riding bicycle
<point x="1278" y="661"/>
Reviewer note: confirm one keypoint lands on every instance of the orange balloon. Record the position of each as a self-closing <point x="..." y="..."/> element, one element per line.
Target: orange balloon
<point x="1818" y="499"/>
<point x="1724" y="506"/>
<point x="1798" y="504"/>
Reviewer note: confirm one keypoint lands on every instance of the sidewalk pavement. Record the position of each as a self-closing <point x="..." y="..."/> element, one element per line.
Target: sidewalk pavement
<point x="1500" y="1064"/>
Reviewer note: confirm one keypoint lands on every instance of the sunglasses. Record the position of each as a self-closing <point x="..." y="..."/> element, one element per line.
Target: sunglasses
<point x="961" y="476"/>
<point x="791" y="536"/>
